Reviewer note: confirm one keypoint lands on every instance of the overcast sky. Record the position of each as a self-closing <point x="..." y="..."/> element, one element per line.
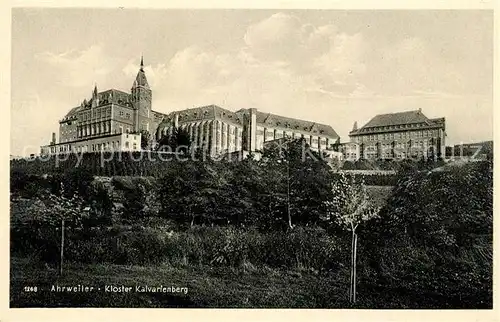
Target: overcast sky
<point x="329" y="66"/>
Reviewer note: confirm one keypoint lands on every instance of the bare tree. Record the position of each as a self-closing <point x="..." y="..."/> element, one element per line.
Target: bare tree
<point x="349" y="208"/>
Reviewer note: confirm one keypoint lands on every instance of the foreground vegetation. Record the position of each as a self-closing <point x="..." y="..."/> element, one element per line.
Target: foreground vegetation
<point x="280" y="225"/>
<point x="207" y="287"/>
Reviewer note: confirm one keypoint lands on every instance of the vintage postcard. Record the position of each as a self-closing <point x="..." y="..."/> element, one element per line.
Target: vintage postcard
<point x="242" y="158"/>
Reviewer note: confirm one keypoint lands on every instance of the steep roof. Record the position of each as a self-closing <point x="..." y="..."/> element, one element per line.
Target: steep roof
<point x="114" y="96"/>
<point x="295" y="124"/>
<point x="73" y="111"/>
<point x="109" y="96"/>
<point x="211" y="112"/>
<point x="410" y="117"/>
<point x="140" y="79"/>
<point x="399" y="120"/>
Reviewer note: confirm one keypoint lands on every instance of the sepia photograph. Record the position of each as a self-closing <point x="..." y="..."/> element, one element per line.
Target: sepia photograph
<point x="251" y="158"/>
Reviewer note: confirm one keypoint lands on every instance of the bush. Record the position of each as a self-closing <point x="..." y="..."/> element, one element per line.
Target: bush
<point x="434" y="239"/>
<point x="215" y="246"/>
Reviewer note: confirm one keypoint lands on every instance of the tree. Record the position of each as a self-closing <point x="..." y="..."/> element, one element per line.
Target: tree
<point x="145" y="138"/>
<point x="76" y="181"/>
<point x="448" y="207"/>
<point x="296" y="181"/>
<point x="101" y="205"/>
<point x="52" y="209"/>
<point x="434" y="237"/>
<point x="349" y="208"/>
<point x="178" y="141"/>
<point x="246" y="206"/>
<point x="134" y="201"/>
<point x="179" y="192"/>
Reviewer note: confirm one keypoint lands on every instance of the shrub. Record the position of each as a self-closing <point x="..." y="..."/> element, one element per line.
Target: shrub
<point x="215" y="246"/>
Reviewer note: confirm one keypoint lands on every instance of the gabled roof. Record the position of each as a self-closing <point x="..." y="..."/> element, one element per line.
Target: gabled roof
<point x="413" y="118"/>
<point x="295" y="124"/>
<point x="109" y="96"/>
<point x="409" y="117"/>
<point x="114" y="96"/>
<point x="211" y="112"/>
<point x="73" y="111"/>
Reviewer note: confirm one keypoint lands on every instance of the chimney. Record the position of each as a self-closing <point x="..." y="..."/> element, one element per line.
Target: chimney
<point x="53" y="138"/>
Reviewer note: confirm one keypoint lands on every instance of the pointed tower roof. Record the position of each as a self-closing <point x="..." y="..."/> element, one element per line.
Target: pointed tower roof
<point x="355" y="126"/>
<point x="141" y="79"/>
<point x="94" y="93"/>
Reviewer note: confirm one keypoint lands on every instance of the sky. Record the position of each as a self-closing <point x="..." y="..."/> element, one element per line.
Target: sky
<point x="330" y="66"/>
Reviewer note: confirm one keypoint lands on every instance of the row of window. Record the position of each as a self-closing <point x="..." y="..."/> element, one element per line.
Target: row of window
<point x="386" y="155"/>
<point x="190" y="126"/>
<point x="125" y="115"/>
<point x="394" y="127"/>
<point x="399" y="135"/>
<point x="95" y="113"/>
<point x="94" y="129"/>
<point x="113" y="145"/>
<point x="400" y="145"/>
<point x="99" y="128"/>
<point x="197" y="130"/>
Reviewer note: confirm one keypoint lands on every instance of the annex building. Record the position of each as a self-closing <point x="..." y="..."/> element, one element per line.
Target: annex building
<point x="397" y="136"/>
<point x="221" y="131"/>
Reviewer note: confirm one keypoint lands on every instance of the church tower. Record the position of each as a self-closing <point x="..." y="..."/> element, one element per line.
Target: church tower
<point x="141" y="100"/>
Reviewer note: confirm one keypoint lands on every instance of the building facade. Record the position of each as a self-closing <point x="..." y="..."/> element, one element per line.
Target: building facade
<point x="221" y="131"/>
<point x="104" y="143"/>
<point x="102" y="119"/>
<point x="108" y="119"/>
<point x="397" y="136"/>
